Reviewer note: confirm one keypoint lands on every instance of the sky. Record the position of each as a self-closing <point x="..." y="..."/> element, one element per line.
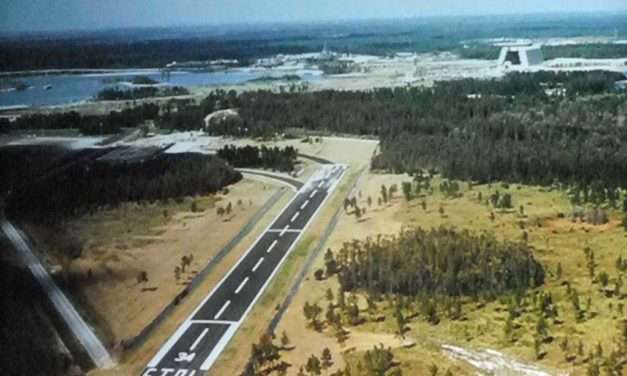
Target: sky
<point x="38" y="15"/>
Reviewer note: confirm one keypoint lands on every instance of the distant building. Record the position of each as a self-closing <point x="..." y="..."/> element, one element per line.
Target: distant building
<point x="521" y="55"/>
<point x="325" y="54"/>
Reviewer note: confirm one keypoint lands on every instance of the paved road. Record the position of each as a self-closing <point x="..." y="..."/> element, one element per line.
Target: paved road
<point x="198" y="342"/>
<point x="97" y="352"/>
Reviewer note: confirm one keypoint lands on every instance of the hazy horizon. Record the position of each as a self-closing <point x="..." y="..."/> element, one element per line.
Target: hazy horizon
<point x="20" y="16"/>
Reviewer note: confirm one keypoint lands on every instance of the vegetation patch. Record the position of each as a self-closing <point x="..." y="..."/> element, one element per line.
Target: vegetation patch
<point x="273" y="158"/>
<point x="441" y="261"/>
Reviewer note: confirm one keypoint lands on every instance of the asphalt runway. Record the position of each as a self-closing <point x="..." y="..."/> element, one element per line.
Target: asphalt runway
<point x="198" y="342"/>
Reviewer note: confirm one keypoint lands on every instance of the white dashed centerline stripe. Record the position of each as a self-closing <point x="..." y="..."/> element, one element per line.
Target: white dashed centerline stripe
<point x="313" y="193"/>
<point x="295" y="216"/>
<point x="284" y="230"/>
<point x="272" y="246"/>
<point x="304" y="204"/>
<point x="200" y="337"/>
<point x="257" y="264"/>
<point x="221" y="311"/>
<point x="321" y="183"/>
<point x="241" y="285"/>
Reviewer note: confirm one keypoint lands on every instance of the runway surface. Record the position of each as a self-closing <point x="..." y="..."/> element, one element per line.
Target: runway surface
<point x="198" y="342"/>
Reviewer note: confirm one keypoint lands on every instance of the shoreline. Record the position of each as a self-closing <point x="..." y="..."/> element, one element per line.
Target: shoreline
<point x="74" y="71"/>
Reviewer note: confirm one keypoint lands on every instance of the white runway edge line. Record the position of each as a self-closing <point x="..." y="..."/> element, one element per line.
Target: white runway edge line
<point x="295" y="216"/>
<point x="274" y="243"/>
<point x="241" y="286"/>
<point x="197" y="341"/>
<point x="235" y="325"/>
<point x="221" y="311"/>
<point x="257" y="265"/>
<point x="217" y="350"/>
<point x="96" y="350"/>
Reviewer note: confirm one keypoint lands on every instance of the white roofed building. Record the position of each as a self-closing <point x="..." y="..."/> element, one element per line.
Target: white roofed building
<point x="523" y="56"/>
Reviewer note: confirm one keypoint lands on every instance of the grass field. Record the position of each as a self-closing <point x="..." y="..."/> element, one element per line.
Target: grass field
<point x="556" y="240"/>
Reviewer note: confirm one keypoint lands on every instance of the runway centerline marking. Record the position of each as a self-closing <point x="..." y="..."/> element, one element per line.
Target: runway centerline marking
<point x="304" y="204"/>
<point x="221" y="311"/>
<point x="313" y="193"/>
<point x="272" y="246"/>
<point x="257" y="264"/>
<point x="241" y="285"/>
<point x="321" y="183"/>
<point x="284" y="230"/>
<point x="200" y="337"/>
<point x="295" y="216"/>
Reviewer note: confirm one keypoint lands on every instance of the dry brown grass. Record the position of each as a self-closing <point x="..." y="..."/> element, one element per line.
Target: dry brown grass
<point x="555" y="240"/>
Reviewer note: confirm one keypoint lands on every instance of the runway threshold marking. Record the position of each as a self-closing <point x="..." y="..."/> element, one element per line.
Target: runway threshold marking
<point x="257" y="264"/>
<point x="284" y="230"/>
<point x="241" y="285"/>
<point x="274" y="243"/>
<point x="304" y="204"/>
<point x="313" y="193"/>
<point x="295" y="216"/>
<point x="200" y="337"/>
<point x="221" y="311"/>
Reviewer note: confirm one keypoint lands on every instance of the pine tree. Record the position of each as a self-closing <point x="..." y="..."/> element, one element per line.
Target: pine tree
<point x="313" y="365"/>
<point x="285" y="340"/>
<point x="327" y="359"/>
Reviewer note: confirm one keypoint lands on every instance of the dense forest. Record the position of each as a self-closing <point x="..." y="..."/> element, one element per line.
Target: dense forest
<point x="86" y="124"/>
<point x="265" y="157"/>
<point x="90" y="184"/>
<point x="437" y="262"/>
<point x="515" y="132"/>
<point x="588" y="51"/>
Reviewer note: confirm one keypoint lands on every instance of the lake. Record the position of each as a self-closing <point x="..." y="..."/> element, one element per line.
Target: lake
<point x="73" y="88"/>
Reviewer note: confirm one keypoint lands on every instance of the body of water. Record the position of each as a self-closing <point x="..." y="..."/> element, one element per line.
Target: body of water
<point x="53" y="90"/>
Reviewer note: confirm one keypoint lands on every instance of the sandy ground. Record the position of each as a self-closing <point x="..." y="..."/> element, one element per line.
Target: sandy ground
<point x="115" y="258"/>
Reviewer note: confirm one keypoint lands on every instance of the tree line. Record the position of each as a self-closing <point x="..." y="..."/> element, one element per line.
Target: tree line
<point x="513" y="132"/>
<point x="441" y="261"/>
<point x="275" y="158"/>
<point x="117" y="94"/>
<point x="86" y="124"/>
<point x="90" y="184"/>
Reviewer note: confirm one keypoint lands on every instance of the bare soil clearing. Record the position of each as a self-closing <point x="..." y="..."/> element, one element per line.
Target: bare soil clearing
<point x="124" y="242"/>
